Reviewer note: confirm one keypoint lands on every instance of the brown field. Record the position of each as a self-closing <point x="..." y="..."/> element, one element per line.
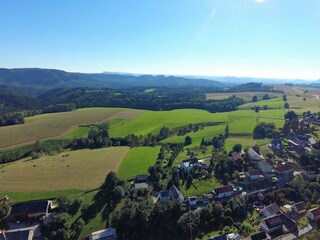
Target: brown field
<point x="246" y="95"/>
<point x="82" y="169"/>
<point x="46" y="126"/>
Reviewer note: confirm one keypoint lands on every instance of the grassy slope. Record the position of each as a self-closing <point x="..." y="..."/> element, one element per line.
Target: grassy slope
<point x="274" y="103"/>
<point x="137" y="161"/>
<point x="82" y="169"/>
<point x="56" y="124"/>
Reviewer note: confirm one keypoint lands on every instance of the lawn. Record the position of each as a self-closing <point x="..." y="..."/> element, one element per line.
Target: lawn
<point x="137" y="161"/>
<point x="52" y="125"/>
<point x="200" y="187"/>
<point x="82" y="169"/>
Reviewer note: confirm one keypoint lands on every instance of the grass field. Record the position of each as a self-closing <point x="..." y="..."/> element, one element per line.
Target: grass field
<point x="56" y="124"/>
<point x="82" y="169"/>
<point x="137" y="161"/>
<point x="274" y="103"/>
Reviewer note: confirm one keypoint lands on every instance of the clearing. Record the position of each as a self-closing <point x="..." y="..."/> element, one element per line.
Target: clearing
<point x="247" y="96"/>
<point x="82" y="169"/>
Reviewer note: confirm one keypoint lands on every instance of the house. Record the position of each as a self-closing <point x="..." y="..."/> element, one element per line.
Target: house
<point x="188" y="164"/>
<point x="17" y="235"/>
<point x="236" y="158"/>
<point x="314" y="214"/>
<point x="313" y="143"/>
<point x="105" y="234"/>
<point x="220" y="237"/>
<point x="299" y="208"/>
<point x="28" y="210"/>
<point x="271" y="224"/>
<point x="259" y="236"/>
<point x="176" y="194"/>
<point x="289" y="225"/>
<point x="233" y="236"/>
<point x="254" y="175"/>
<point x="164" y="196"/>
<point x="270" y="210"/>
<point x="284" y="170"/>
<point x="265" y="168"/>
<point x="141" y="181"/>
<point x="254" y="156"/>
<point x="192" y="201"/>
<point x="222" y="192"/>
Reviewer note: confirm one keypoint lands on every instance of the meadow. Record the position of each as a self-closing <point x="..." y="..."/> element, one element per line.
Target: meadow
<point x="45" y="126"/>
<point x="137" y="161"/>
<point x="81" y="169"/>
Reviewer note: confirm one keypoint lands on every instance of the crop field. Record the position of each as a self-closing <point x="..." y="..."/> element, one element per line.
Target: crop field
<point x="82" y="169"/>
<point x="247" y="96"/>
<point x="137" y="161"/>
<point x="46" y="126"/>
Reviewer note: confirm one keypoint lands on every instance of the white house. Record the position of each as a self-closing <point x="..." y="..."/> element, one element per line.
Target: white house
<point x="222" y="192"/>
<point x="105" y="234"/>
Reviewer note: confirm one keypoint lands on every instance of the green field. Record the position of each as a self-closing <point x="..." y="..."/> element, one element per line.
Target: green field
<point x="52" y="125"/>
<point x="137" y="161"/>
<point x="247" y="96"/>
<point x="82" y="169"/>
<point x="274" y="103"/>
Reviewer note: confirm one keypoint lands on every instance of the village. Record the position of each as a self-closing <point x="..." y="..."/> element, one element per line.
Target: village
<point x="259" y="171"/>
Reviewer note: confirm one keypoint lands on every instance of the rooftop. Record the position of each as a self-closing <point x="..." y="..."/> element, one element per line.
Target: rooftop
<point x="30" y="207"/>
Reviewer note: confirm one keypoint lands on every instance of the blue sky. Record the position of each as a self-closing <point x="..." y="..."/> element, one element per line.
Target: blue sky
<point x="270" y="38"/>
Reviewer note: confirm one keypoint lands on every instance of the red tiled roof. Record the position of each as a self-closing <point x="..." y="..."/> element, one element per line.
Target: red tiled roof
<point x="228" y="188"/>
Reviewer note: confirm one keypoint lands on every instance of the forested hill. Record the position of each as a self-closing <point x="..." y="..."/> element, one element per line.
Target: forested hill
<point x="159" y="99"/>
<point x="34" y="81"/>
<point x="10" y="102"/>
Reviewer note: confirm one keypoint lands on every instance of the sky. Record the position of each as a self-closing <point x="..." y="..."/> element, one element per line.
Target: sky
<point x="244" y="38"/>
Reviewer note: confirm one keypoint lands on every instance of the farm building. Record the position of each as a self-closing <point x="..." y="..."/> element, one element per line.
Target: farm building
<point x="27" y="210"/>
<point x="106" y="234"/>
<point x="141" y="181"/>
<point x="17" y="235"/>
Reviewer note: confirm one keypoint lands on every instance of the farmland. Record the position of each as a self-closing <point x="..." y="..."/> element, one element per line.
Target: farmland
<point x="46" y="126"/>
<point x="247" y="96"/>
<point x="137" y="161"/>
<point x="82" y="169"/>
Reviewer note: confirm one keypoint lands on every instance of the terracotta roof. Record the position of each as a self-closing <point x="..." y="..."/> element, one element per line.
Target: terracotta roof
<point x="224" y="189"/>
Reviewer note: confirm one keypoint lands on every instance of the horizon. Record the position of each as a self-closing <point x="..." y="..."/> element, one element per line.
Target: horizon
<point x="269" y="39"/>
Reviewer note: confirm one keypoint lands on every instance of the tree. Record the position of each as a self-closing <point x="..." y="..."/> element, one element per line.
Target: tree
<point x="226" y="131"/>
<point x="237" y="147"/>
<point x="189" y="224"/>
<point x="256" y="109"/>
<point x="290" y="115"/>
<point x="187" y="141"/>
<point x="254" y="99"/>
<point x="286" y="105"/>
<point x="284" y="97"/>
<point x="4" y="210"/>
<point x="265" y="97"/>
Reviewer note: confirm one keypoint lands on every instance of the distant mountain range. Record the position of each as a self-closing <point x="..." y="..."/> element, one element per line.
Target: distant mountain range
<point x="34" y="81"/>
